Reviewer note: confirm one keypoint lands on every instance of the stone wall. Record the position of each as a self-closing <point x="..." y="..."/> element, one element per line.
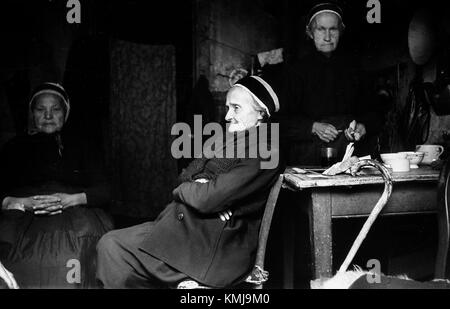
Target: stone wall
<point x="227" y="33"/>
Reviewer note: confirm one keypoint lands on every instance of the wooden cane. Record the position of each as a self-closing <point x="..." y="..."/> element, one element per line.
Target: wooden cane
<point x="375" y="211"/>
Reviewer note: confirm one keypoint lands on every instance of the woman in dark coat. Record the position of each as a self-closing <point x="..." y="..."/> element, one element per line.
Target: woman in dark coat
<point x="52" y="190"/>
<point x="209" y="232"/>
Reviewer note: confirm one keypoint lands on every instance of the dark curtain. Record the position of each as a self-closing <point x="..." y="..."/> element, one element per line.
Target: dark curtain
<point x="143" y="110"/>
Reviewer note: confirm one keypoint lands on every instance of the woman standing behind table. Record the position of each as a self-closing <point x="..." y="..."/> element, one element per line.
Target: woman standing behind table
<point x="51" y="192"/>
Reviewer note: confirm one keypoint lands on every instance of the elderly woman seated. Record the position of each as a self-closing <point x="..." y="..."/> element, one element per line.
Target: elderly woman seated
<point x="209" y="232"/>
<point x="51" y="192"/>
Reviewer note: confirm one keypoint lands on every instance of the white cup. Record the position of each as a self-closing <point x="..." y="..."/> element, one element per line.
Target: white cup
<point x="432" y="152"/>
<point x="400" y="165"/>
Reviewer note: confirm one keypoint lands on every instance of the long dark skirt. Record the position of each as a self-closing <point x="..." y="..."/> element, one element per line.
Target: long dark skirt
<point x="53" y="251"/>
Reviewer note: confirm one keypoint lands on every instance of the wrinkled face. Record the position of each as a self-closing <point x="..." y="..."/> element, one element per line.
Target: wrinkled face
<point x="326" y="32"/>
<point x="242" y="113"/>
<point x="48" y="114"/>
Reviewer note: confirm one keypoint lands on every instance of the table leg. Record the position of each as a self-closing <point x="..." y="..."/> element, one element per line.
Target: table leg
<point x="288" y="252"/>
<point x="320" y="211"/>
<point x="443" y="219"/>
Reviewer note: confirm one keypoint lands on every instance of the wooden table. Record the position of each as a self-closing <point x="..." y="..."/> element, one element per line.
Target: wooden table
<point x="344" y="196"/>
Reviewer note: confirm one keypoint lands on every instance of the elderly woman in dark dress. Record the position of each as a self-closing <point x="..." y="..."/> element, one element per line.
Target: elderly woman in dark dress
<point x="209" y="232"/>
<point x="51" y="192"/>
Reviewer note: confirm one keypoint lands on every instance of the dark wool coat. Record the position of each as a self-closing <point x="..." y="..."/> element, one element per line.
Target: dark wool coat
<point x="190" y="237"/>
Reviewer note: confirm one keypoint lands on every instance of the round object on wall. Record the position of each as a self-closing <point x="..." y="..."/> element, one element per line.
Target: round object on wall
<point x="421" y="37"/>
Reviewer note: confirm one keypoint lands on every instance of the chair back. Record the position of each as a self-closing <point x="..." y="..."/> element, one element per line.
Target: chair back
<point x="258" y="275"/>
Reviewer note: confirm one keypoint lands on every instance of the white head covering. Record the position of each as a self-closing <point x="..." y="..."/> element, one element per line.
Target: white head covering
<point x="47" y="88"/>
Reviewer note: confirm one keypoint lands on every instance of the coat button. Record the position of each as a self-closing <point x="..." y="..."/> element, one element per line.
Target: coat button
<point x="180" y="216"/>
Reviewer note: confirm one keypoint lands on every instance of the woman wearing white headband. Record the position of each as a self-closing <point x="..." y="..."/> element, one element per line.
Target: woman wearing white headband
<point x="327" y="106"/>
<point x="51" y="190"/>
<point x="209" y="231"/>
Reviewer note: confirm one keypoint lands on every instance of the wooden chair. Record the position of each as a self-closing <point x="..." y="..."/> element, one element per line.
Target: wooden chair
<point x="442" y="270"/>
<point x="258" y="276"/>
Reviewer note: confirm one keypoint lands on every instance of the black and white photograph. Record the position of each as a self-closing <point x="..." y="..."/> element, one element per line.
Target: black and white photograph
<point x="129" y="160"/>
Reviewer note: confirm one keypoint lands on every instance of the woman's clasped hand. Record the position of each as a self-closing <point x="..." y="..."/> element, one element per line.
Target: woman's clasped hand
<point x="50" y="205"/>
<point x="46" y="205"/>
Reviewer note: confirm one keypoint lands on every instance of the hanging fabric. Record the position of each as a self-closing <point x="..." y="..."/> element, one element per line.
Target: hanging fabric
<point x="416" y="122"/>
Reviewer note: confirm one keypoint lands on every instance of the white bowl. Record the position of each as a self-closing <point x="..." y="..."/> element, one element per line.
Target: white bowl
<point x="397" y="161"/>
<point x="387" y="157"/>
<point x="414" y="158"/>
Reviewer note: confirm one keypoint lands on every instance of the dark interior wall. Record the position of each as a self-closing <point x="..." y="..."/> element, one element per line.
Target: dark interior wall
<point x="28" y="56"/>
<point x="386" y="50"/>
<point x="166" y="22"/>
<point x="227" y="34"/>
<point x="42" y="46"/>
<point x="142" y="112"/>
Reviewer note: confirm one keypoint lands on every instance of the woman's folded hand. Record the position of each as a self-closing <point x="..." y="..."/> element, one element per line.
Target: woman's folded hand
<point x="32" y="203"/>
<point x="47" y="205"/>
<point x="70" y="200"/>
<point x="50" y="210"/>
<point x="58" y="202"/>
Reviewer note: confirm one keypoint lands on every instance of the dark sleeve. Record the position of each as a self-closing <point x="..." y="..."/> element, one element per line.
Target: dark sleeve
<point x="6" y="166"/>
<point x="370" y="106"/>
<point x="97" y="184"/>
<point x="3" y="176"/>
<point x="227" y="189"/>
<point x="295" y="123"/>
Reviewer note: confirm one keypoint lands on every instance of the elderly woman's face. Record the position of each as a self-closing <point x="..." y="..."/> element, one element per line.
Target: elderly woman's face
<point x="48" y="114"/>
<point x="326" y="32"/>
<point x="242" y="113"/>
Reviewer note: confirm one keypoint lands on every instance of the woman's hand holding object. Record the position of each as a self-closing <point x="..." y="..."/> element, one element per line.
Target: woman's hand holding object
<point x="325" y="131"/>
<point x="355" y="132"/>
